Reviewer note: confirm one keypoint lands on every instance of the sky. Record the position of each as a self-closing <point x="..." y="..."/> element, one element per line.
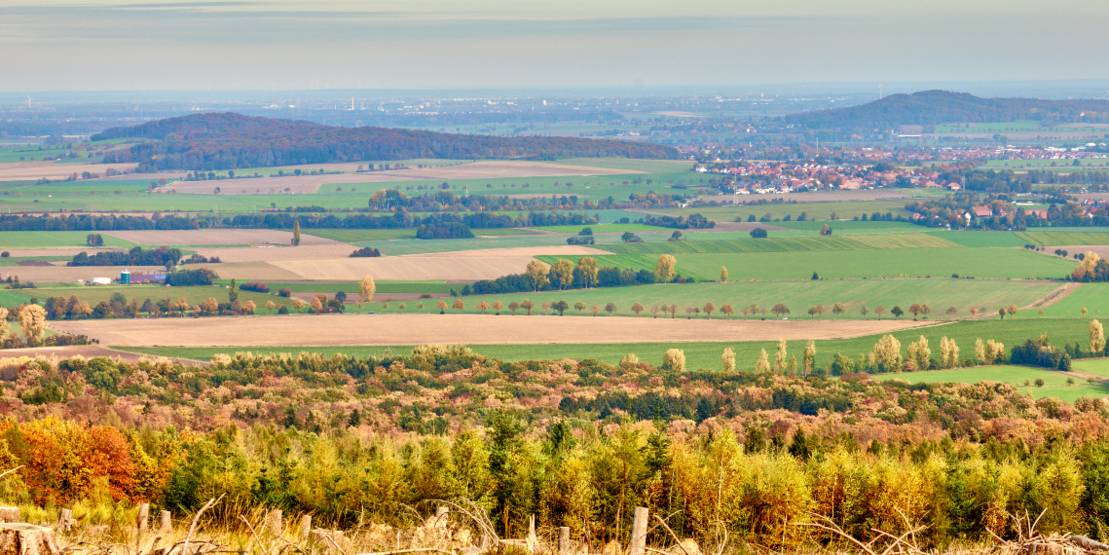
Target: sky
<point x="74" y="45"/>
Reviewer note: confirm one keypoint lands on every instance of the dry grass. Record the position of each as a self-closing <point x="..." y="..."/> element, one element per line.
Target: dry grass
<point x="160" y="237"/>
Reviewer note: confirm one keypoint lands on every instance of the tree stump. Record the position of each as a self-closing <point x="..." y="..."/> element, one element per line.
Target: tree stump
<point x="18" y="538"/>
<point x="165" y="523"/>
<point x="142" y="520"/>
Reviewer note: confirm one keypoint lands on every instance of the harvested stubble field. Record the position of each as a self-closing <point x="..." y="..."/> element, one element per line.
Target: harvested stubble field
<point x="30" y="171"/>
<point x="402" y="329"/>
<point x="301" y="184"/>
<point x="333" y="263"/>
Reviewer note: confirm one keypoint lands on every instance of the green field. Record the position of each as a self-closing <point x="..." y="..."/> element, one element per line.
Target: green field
<point x="938" y="294"/>
<point x="820" y="211"/>
<point x="1094" y="297"/>
<point x="875" y="263"/>
<point x="705" y="355"/>
<point x="36" y="239"/>
<point x="1094" y="366"/>
<point x="97" y="293"/>
<point x="1055" y="384"/>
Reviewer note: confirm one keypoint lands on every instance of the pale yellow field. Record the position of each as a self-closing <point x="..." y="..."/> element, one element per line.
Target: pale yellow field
<point x="409" y="329"/>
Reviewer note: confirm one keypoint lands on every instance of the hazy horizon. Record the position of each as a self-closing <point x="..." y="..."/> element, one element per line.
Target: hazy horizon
<point x="245" y="45"/>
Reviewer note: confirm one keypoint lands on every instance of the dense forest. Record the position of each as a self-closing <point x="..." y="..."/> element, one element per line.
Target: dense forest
<point x="936" y="107"/>
<point x="217" y="141"/>
<point x="753" y="456"/>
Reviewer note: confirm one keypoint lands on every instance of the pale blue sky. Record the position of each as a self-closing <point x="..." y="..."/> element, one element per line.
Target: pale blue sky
<point x="295" y="44"/>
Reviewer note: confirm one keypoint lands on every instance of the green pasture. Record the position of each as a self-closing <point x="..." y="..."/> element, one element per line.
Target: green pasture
<point x="939" y="294"/>
<point x="820" y="211"/>
<point x="1056" y="384"/>
<point x="747" y="244"/>
<point x="352" y="287"/>
<point x="43" y="239"/>
<point x="861" y="263"/>
<point x="706" y="355"/>
<point x="1093" y="366"/>
<point x="1094" y="297"/>
<point x="94" y="294"/>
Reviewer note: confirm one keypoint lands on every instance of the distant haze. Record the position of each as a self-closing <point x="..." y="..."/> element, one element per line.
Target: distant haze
<point x="485" y="44"/>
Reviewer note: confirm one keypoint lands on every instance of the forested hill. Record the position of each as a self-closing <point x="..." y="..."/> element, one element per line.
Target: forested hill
<point x="215" y="141"/>
<point x="935" y="107"/>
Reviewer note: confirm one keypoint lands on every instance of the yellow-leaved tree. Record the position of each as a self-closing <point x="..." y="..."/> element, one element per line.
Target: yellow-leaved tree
<point x="367" y="287"/>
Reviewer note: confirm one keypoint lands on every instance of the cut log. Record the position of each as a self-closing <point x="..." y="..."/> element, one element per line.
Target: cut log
<point x="165" y="523"/>
<point x="564" y="540"/>
<point x="639" y="532"/>
<point x="18" y="538"/>
<point x="143" y="518"/>
<point x="65" y="520"/>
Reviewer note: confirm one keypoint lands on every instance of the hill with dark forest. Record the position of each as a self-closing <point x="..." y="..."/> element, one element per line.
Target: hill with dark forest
<point x="936" y="107"/>
<point x="216" y="141"/>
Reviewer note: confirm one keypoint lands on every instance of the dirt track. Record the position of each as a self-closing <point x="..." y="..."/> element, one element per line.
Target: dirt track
<point x="409" y="329"/>
<point x="490" y="169"/>
<point x="87" y="351"/>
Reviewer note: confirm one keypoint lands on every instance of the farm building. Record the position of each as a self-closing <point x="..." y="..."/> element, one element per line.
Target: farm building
<point x="126" y="277"/>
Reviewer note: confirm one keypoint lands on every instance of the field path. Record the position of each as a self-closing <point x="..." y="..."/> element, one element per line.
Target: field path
<point x="1054" y="296"/>
<point x="476" y="329"/>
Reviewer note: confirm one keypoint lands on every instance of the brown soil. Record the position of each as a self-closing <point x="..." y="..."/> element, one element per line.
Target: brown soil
<point x="311" y="183"/>
<point x="410" y="329"/>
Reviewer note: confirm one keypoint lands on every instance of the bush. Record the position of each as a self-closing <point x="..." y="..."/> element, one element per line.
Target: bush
<point x="366" y="252"/>
<point x="191" y="277"/>
<point x="759" y="233"/>
<point x="285" y="292"/>
<point x="255" y="286"/>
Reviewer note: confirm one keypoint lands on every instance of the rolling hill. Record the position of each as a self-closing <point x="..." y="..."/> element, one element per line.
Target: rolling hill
<point x="936" y="107"/>
<point x="216" y="141"/>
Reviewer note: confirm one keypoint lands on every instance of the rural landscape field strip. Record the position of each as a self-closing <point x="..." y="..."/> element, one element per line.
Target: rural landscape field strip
<point x="401" y="329"/>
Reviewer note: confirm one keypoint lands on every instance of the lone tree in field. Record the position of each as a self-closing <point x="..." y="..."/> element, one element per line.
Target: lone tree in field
<point x="887" y="353"/>
<point x="610" y="307"/>
<point x="483" y="307"/>
<point x="727" y="310"/>
<point x="1097" y="337"/>
<point x="762" y="365"/>
<point x="514" y="306"/>
<point x="780" y="310"/>
<point x="32" y="318"/>
<point x="527" y="305"/>
<point x="897" y="312"/>
<point x="579" y="306"/>
<point x="674" y="360"/>
<point x="442" y="306"/>
<point x="809" y="359"/>
<point x="782" y="357"/>
<point x="588" y="270"/>
<point x="949" y="352"/>
<point x="723" y="274"/>
<point x="560" y="307"/>
<point x="666" y="268"/>
<point x="637" y="308"/>
<point x="296" y="233"/>
<point x="5" y="331"/>
<point x="367" y="287"/>
<point x="815" y="311"/>
<point x="727" y="358"/>
<point x="880" y="310"/>
<point x="709" y="308"/>
<point x="497" y="307"/>
<point x="537" y="270"/>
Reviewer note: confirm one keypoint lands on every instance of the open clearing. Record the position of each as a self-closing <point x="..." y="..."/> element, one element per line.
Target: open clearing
<point x="397" y="329"/>
<point x="311" y="183"/>
<point x="30" y="171"/>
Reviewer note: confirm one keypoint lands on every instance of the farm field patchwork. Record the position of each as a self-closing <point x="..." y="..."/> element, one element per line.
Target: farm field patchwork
<point x="798" y="296"/>
<point x="909" y="262"/>
<point x="390" y="329"/>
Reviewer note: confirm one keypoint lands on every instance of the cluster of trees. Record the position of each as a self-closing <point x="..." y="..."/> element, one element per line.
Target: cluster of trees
<point x="223" y="141"/>
<point x="366" y="252"/>
<point x="447" y="201"/>
<point x="118" y="306"/>
<point x="137" y="256"/>
<point x="444" y="230"/>
<point x="753" y="487"/>
<point x="693" y="221"/>
<point x="564" y="274"/>
<point x="1091" y="267"/>
<point x="957" y="211"/>
<point x="89" y="222"/>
